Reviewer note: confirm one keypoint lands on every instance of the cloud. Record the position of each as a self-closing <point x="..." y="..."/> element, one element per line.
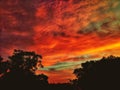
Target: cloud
<point x="61" y="66"/>
<point x="17" y="21"/>
<point x="67" y="31"/>
<point x="70" y="62"/>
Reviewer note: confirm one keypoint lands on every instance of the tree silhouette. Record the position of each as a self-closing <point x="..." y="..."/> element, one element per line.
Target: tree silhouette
<point x="99" y="75"/>
<point x="1" y="58"/>
<point x="25" y="60"/>
<point x="19" y="72"/>
<point x="20" y="69"/>
<point x="4" y="65"/>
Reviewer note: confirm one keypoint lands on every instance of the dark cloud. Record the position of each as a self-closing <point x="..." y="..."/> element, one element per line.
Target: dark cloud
<point x="17" y="19"/>
<point x="76" y="58"/>
<point x="77" y="1"/>
<point x="19" y="15"/>
<point x="62" y="34"/>
<point x="102" y="29"/>
<point x="105" y="25"/>
<point x="15" y="40"/>
<point x="88" y="29"/>
<point x="50" y="12"/>
<point x="52" y="69"/>
<point x="67" y="15"/>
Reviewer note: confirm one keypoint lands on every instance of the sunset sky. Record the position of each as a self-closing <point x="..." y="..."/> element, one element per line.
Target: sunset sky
<point x="65" y="32"/>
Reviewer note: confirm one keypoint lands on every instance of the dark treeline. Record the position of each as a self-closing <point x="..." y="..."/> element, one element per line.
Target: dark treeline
<point x="103" y="74"/>
<point x="18" y="72"/>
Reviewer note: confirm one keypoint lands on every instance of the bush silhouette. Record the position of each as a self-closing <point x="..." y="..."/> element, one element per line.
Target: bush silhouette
<point x="99" y="75"/>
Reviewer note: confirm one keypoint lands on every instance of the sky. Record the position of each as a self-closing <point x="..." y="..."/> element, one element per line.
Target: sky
<point x="65" y="32"/>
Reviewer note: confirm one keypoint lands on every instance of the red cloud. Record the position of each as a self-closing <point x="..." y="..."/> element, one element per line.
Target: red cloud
<point x="59" y="30"/>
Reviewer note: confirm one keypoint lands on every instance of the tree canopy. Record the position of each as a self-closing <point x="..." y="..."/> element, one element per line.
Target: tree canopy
<point x="19" y="70"/>
<point x="103" y="74"/>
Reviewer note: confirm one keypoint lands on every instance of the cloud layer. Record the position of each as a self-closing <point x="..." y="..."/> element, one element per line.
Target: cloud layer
<point x="65" y="32"/>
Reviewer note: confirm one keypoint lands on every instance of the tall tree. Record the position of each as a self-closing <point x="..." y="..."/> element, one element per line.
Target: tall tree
<point x="19" y="70"/>
<point x="25" y="60"/>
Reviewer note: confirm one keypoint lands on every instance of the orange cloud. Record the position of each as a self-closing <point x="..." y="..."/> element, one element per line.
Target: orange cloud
<point x="61" y="31"/>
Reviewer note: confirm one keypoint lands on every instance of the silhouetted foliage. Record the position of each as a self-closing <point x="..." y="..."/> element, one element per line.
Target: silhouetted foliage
<point x="25" y="60"/>
<point x="19" y="71"/>
<point x="99" y="75"/>
<point x="62" y="86"/>
<point x="1" y="58"/>
<point x="4" y="65"/>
